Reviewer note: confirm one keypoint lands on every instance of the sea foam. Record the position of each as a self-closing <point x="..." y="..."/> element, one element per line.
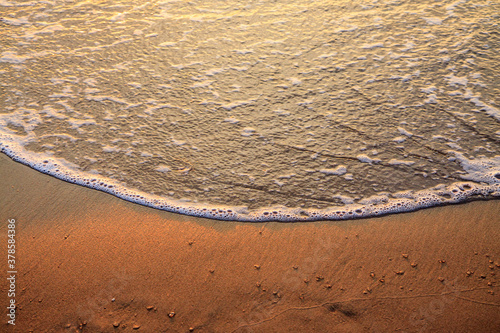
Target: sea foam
<point x="298" y="112"/>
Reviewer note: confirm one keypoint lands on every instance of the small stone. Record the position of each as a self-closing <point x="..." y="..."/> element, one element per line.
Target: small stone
<point x="136" y="327"/>
<point x="150" y="307"/>
<point x="469" y="273"/>
<point x="487" y="255"/>
<point x="497" y="264"/>
<point x="67" y="325"/>
<point x="490" y="261"/>
<point x="191" y="329"/>
<point x="441" y="279"/>
<point x="328" y="286"/>
<point x="413" y="264"/>
<point x="491" y="292"/>
<point x="295" y="267"/>
<point x="319" y="278"/>
<point x="382" y="280"/>
<point x="191" y="242"/>
<point x="404" y="255"/>
<point x="306" y="280"/>
<point x="490" y="284"/>
<point x="482" y="276"/>
<point x="116" y="324"/>
<point x="113" y="299"/>
<point x="258" y="284"/>
<point x="372" y="275"/>
<point x="442" y="261"/>
<point x="400" y="272"/>
<point x="491" y="266"/>
<point x="211" y="270"/>
<point x="256" y="266"/>
<point x="171" y="314"/>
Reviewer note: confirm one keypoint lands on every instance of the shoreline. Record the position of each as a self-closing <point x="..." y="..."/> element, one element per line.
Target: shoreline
<point x="401" y="202"/>
<point x="89" y="261"/>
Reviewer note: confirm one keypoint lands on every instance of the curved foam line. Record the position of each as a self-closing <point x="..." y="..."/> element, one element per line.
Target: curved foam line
<point x="439" y="195"/>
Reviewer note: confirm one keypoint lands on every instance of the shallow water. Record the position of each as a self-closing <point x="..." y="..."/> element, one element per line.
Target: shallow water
<point x="257" y="110"/>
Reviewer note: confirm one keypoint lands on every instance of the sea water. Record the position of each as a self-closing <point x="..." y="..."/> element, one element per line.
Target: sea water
<point x="257" y="110"/>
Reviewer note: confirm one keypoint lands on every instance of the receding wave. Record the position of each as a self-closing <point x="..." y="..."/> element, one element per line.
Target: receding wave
<point x="257" y="111"/>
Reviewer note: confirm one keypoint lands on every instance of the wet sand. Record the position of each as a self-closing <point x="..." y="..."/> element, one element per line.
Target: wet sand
<point x="88" y="261"/>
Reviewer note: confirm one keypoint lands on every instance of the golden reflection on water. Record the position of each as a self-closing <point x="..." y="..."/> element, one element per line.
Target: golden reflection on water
<point x="311" y="105"/>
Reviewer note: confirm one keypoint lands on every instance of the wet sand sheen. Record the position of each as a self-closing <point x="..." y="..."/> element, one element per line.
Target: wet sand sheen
<point x="79" y="249"/>
<point x="225" y="109"/>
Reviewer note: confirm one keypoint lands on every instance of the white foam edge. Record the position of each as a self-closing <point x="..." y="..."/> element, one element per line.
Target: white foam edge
<point x="436" y="196"/>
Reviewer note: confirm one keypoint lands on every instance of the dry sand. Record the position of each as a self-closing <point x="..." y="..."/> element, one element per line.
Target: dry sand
<point x="88" y="261"/>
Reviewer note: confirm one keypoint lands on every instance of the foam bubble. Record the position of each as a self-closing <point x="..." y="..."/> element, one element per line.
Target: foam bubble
<point x="339" y="170"/>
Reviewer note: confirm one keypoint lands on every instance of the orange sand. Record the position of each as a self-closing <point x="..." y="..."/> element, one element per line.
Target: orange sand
<point x="88" y="261"/>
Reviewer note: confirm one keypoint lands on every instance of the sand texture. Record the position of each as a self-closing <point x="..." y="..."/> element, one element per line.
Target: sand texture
<point x="88" y="261"/>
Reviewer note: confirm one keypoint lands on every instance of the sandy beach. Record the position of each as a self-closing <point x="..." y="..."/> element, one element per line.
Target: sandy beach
<point x="88" y="261"/>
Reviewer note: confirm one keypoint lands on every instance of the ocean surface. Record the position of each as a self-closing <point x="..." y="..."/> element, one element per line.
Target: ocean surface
<point x="257" y="110"/>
